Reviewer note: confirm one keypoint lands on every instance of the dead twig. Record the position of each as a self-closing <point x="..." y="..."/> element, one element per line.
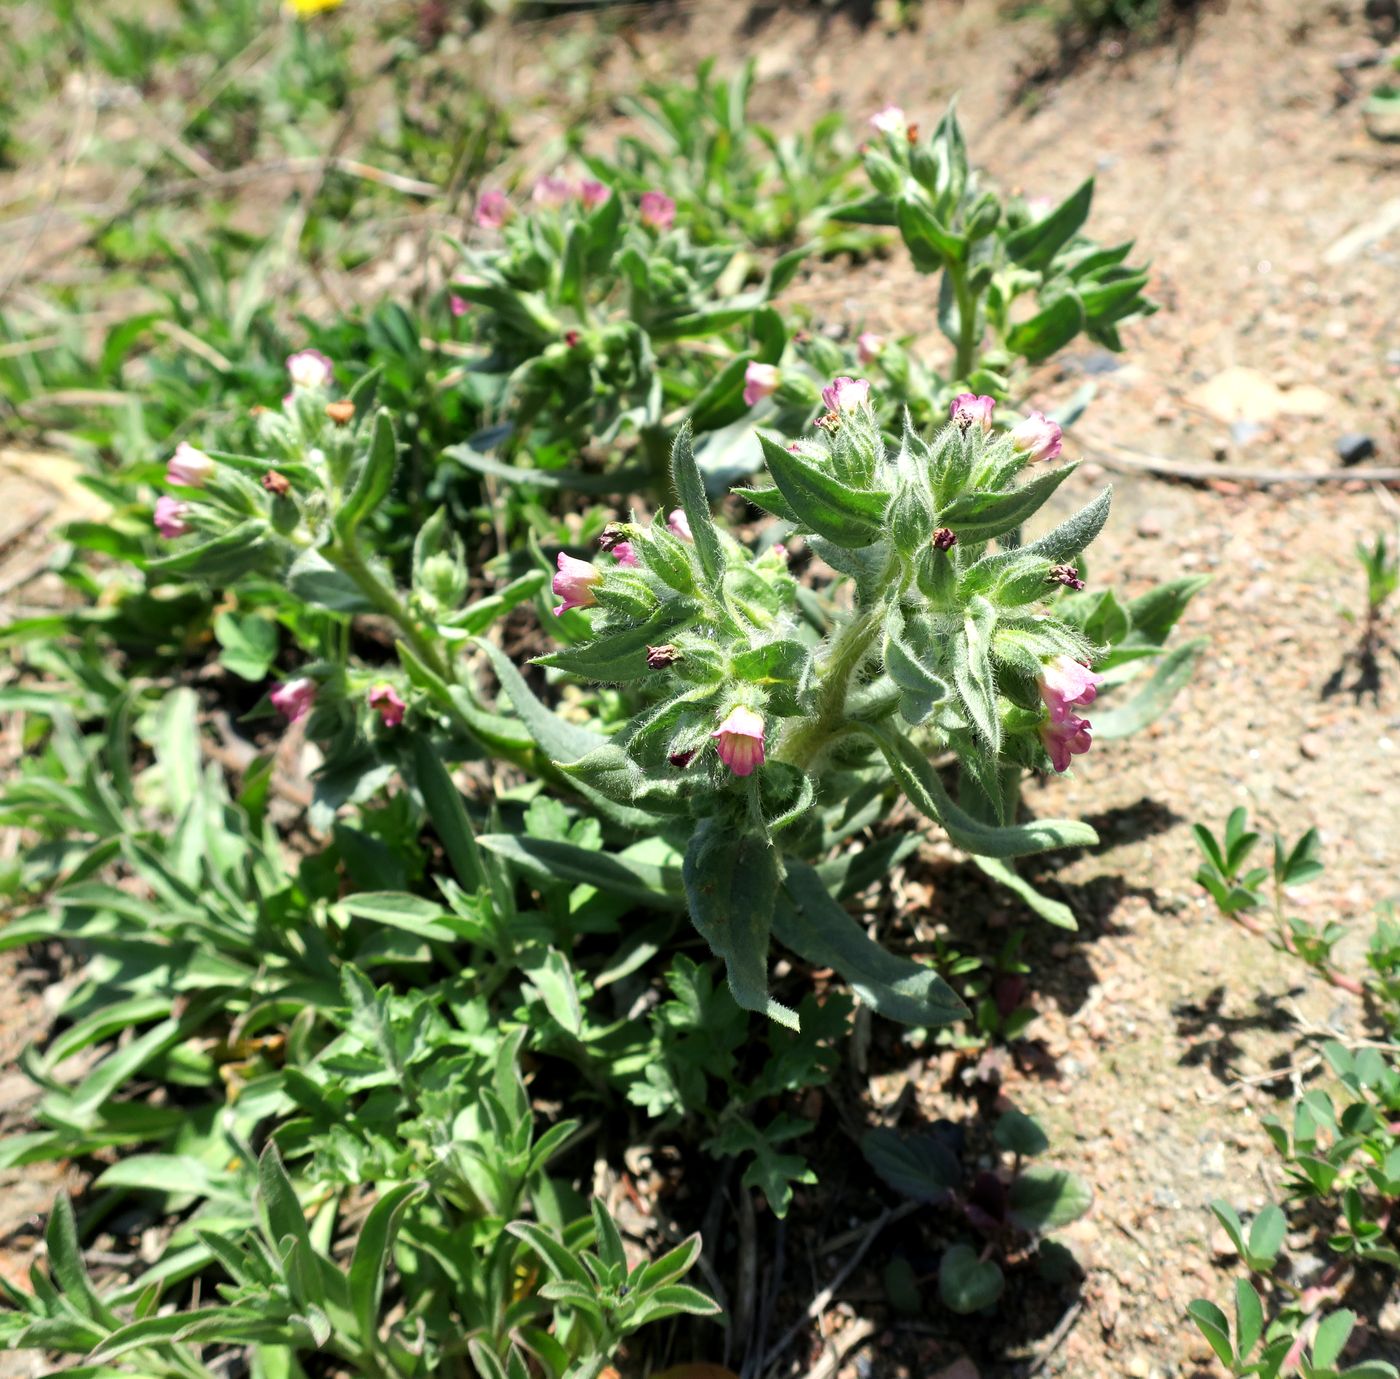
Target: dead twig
<point x="838" y="1349"/>
<point x="822" y="1301"/>
<point x="1056" y="1338"/>
<point x="1132" y="461"/>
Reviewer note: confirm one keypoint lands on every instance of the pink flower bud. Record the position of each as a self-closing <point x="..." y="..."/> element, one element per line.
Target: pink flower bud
<point x="680" y="760"/>
<point x="969" y="409"/>
<point x="760" y="381"/>
<point x="574" y="583"/>
<point x="188" y="467"/>
<point x="593" y="194"/>
<point x="846" y="394"/>
<point x="658" y="210"/>
<point x="1038" y="437"/>
<point x="740" y="741"/>
<point x="624" y="554"/>
<point x="678" y="524"/>
<point x="492" y="210"/>
<point x="1070" y="738"/>
<point x="310" y="369"/>
<point x="385" y="701"/>
<point x="890" y="120"/>
<point x="779" y="550"/>
<point x="293" y="699"/>
<point x="1065" y="684"/>
<point x="868" y="346"/>
<point x="459" y="306"/>
<point x="551" y="192"/>
<point x="169" y="517"/>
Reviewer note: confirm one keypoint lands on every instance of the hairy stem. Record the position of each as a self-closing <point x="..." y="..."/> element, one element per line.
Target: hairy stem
<point x="346" y="556"/>
<point x="967" y="322"/>
<point x="848" y="649"/>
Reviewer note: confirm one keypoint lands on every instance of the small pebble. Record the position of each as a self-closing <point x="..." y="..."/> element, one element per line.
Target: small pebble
<point x="1354" y="447"/>
<point x="1312" y="746"/>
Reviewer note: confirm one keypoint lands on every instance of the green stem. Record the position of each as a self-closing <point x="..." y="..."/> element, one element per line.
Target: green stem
<point x="967" y="322"/>
<point x="346" y="556"/>
<point x="848" y="649"/>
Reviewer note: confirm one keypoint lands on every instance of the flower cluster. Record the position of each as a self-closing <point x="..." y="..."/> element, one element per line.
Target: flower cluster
<point x="657" y="579"/>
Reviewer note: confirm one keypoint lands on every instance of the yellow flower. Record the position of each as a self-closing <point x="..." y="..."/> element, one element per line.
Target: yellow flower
<point x="304" y="9"/>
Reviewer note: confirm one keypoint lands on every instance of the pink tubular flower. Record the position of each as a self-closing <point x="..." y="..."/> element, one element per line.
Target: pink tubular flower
<point x="310" y="369"/>
<point x="740" y="741"/>
<point x="593" y="194"/>
<point x="188" y="467"/>
<point x="385" y="701"/>
<point x="1070" y="738"/>
<point x="846" y="394"/>
<point x="969" y="408"/>
<point x="169" y="517"/>
<point x="678" y="524"/>
<point x="492" y="210"/>
<point x="868" y="346"/>
<point x="551" y="191"/>
<point x="890" y="120"/>
<point x="574" y="583"/>
<point x="459" y="306"/>
<point x="294" y="698"/>
<point x="658" y="210"/>
<point x="760" y="381"/>
<point x="1038" y="437"/>
<point x="624" y="555"/>
<point x="1065" y="684"/>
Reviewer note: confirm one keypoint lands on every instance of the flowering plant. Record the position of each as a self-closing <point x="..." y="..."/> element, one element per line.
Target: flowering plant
<point x="757" y="722"/>
<point x="764" y="712"/>
<point x="990" y="252"/>
<point x="579" y="309"/>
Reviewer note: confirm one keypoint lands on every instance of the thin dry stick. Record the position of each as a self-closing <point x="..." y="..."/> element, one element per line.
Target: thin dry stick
<point x="1056" y="1338"/>
<point x="819" y="1304"/>
<point x="836" y="1350"/>
<point x="1142" y="462"/>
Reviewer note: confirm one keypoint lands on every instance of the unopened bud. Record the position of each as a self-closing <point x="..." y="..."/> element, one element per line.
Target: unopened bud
<point x="342" y="413"/>
<point x="659" y="657"/>
<point x="276" y="483"/>
<point x="944" y="539"/>
<point x="680" y="760"/>
<point x="829" y="421"/>
<point x="1067" y="575"/>
<point x="615" y="534"/>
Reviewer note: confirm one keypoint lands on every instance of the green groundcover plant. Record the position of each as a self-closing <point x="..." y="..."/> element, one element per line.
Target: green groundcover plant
<point x="752" y="723"/>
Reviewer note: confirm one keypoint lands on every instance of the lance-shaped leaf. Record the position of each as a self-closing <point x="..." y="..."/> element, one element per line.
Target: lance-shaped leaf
<point x="550" y="861"/>
<point x="1035" y="245"/>
<point x="221" y="557"/>
<point x="557" y="480"/>
<point x="731" y="885"/>
<point x="1058" y="546"/>
<point x="1050" y="329"/>
<point x="815" y="927"/>
<point x="908" y="656"/>
<point x="559" y="740"/>
<point x="1171" y="675"/>
<point x="1152" y="615"/>
<point x="973" y="675"/>
<point x="616" y="657"/>
<point x="374" y="479"/>
<point x="920" y="782"/>
<point x="690" y="489"/>
<point x="983" y="516"/>
<point x="850" y="517"/>
<point x="1055" y="911"/>
<point x="931" y="244"/>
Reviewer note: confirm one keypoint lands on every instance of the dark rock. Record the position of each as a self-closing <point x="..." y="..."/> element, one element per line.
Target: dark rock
<point x="1354" y="447"/>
